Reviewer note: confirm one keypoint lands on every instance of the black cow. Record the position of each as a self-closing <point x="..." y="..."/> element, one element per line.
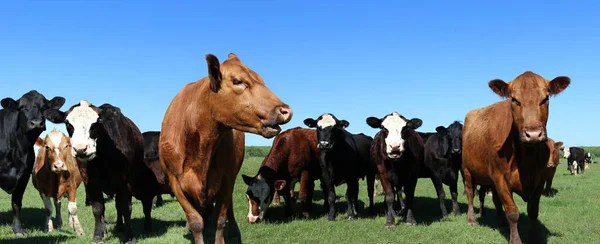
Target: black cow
<point x="576" y="159"/>
<point x="397" y="150"/>
<point x="443" y="158"/>
<point x="344" y="158"/>
<point x="112" y="146"/>
<point x="21" y="123"/>
<point x="152" y="161"/>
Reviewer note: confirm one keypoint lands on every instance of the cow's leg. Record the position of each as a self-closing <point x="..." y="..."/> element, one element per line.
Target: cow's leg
<point x="222" y="206"/>
<point x="195" y="221"/>
<point x="510" y="208"/>
<point x="147" y="207"/>
<point x="371" y="190"/>
<point x="389" y="199"/>
<point x="409" y="190"/>
<point x="400" y="200"/>
<point x="439" y="189"/>
<point x="58" y="220"/>
<point x="351" y="198"/>
<point x="123" y="203"/>
<point x="325" y="193"/>
<point x="375" y="185"/>
<point x="548" y="190"/>
<point x="482" y="191"/>
<point x="533" y="208"/>
<point x="454" y="193"/>
<point x="469" y="187"/>
<point x="119" y="225"/>
<point x="17" y="203"/>
<point x="98" y="210"/>
<point x="48" y="208"/>
<point x="288" y="201"/>
<point x="233" y="230"/>
<point x="291" y="187"/>
<point x="305" y="194"/>
<point x="72" y="207"/>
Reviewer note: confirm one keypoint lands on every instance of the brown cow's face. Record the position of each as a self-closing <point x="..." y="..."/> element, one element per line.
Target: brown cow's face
<point x="530" y="94"/>
<point x="242" y="100"/>
<point x="58" y="151"/>
<point x="554" y="154"/>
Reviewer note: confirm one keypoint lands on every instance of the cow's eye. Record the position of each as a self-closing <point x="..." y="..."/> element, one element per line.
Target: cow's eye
<point x="47" y="147"/>
<point x="516" y="102"/>
<point x="544" y="101"/>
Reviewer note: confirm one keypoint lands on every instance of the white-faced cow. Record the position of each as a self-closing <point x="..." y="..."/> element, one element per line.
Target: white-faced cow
<point x="344" y="158"/>
<point x="55" y="175"/>
<point x="21" y="123"/>
<point x="576" y="159"/>
<point x="397" y="150"/>
<point x="111" y="145"/>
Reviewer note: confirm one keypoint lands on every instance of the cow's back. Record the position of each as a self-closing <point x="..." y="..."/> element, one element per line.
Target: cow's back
<point x="296" y="147"/>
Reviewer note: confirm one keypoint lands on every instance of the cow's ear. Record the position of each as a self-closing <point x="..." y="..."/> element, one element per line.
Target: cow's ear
<point x="558" y="144"/>
<point x="214" y="72"/>
<point x="415" y="123"/>
<point x="311" y="123"/>
<point x="375" y="123"/>
<point x="56" y="102"/>
<point x="39" y="142"/>
<point x="499" y="87"/>
<point x="9" y="103"/>
<point x="55" y="116"/>
<point x="279" y="184"/>
<point x="558" y="85"/>
<point x="247" y="179"/>
<point x="441" y="129"/>
<point x="343" y="123"/>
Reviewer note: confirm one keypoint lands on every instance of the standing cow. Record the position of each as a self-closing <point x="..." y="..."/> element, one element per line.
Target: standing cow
<point x="151" y="160"/>
<point x="55" y="174"/>
<point x="576" y="159"/>
<point x="552" y="164"/>
<point x="202" y="139"/>
<point x="344" y="158"/>
<point x="504" y="146"/>
<point x="21" y="123"/>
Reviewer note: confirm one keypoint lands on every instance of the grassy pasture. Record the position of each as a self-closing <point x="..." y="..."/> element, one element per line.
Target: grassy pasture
<point x="571" y="216"/>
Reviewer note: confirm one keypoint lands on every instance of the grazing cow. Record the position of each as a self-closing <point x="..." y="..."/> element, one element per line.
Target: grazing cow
<point x="151" y="159"/>
<point x="552" y="164"/>
<point x="55" y="174"/>
<point x="504" y="146"/>
<point x="110" y="145"/>
<point x="589" y="158"/>
<point x="397" y="151"/>
<point x="21" y="123"/>
<point x="202" y="139"/>
<point x="443" y="158"/>
<point x="294" y="155"/>
<point x="576" y="158"/>
<point x="344" y="158"/>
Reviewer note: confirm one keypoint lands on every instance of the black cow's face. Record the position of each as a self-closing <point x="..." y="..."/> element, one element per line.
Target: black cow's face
<point x="393" y="127"/>
<point x="328" y="127"/>
<point x="31" y="107"/>
<point x="455" y="136"/>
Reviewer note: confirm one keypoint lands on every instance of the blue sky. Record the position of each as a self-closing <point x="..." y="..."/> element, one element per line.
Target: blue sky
<point x="425" y="59"/>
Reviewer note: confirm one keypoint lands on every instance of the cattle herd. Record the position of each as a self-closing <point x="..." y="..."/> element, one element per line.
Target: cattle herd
<point x="196" y="157"/>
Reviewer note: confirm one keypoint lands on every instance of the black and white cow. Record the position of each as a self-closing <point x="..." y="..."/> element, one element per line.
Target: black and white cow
<point x="397" y="151"/>
<point x="575" y="159"/>
<point x="588" y="158"/>
<point x="21" y="123"/>
<point x="112" y="147"/>
<point x="344" y="158"/>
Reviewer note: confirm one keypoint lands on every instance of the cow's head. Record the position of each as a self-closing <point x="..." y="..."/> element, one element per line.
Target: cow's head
<point x="454" y="136"/>
<point x="328" y="128"/>
<point x="530" y="95"/>
<point x="31" y="107"/>
<point x="56" y="148"/>
<point x="241" y="100"/>
<point x="393" y="127"/>
<point x="566" y="152"/>
<point x="260" y="195"/>
<point x="588" y="158"/>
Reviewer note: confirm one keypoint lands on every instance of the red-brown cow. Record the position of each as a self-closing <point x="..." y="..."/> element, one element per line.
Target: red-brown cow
<point x="294" y="155"/>
<point x="504" y="146"/>
<point x="552" y="164"/>
<point x="201" y="146"/>
<point x="55" y="174"/>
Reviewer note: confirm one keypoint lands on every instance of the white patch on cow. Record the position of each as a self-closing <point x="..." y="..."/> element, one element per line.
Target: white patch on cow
<point x="326" y="121"/>
<point x="55" y="137"/>
<point x="261" y="191"/>
<point x="394" y="124"/>
<point x="73" y="220"/>
<point x="48" y="206"/>
<point x="81" y="118"/>
<point x="566" y="152"/>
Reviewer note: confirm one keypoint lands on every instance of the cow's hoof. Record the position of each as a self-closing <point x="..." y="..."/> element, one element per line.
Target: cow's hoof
<point x="351" y="218"/>
<point x="412" y="222"/>
<point x="390" y="226"/>
<point x="22" y="234"/>
<point x="331" y="218"/>
<point x="305" y="214"/>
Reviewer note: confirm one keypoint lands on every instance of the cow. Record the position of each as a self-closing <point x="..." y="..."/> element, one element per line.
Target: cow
<point x="21" y="123"/>
<point x="56" y="175"/>
<point x="576" y="158"/>
<point x="504" y="146"/>
<point x="294" y="155"/>
<point x="443" y="158"/>
<point x="552" y="164"/>
<point x="151" y="159"/>
<point x="110" y="146"/>
<point x="589" y="158"/>
<point x="344" y="158"/>
<point x="201" y="147"/>
<point x="397" y="151"/>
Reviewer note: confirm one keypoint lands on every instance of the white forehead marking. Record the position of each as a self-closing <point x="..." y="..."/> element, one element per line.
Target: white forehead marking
<point x="393" y="122"/>
<point x="55" y="137"/>
<point x="326" y="121"/>
<point x="82" y="115"/>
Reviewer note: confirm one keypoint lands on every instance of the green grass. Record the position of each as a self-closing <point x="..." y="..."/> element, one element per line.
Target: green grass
<point x="571" y="216"/>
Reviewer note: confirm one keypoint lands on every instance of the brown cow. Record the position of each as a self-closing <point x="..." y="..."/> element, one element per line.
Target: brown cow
<point x="55" y="174"/>
<point x="294" y="155"/>
<point x="202" y="138"/>
<point x="504" y="146"/>
<point x="552" y="164"/>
